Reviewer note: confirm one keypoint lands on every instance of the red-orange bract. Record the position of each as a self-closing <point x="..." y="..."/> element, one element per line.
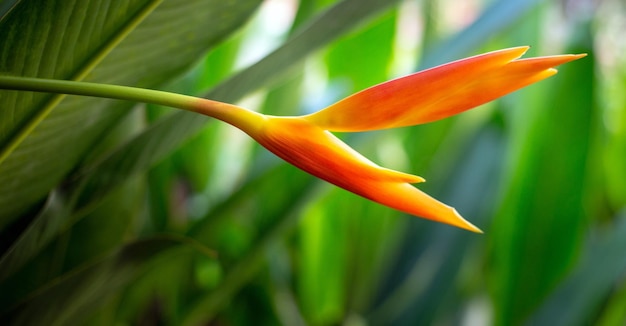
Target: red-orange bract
<point x="426" y="96"/>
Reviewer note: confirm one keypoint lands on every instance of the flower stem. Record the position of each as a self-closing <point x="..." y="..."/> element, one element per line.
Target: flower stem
<point x="235" y="115"/>
<point x="96" y="90"/>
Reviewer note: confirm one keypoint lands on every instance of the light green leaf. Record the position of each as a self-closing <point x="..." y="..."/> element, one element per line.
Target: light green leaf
<point x="495" y="19"/>
<point x="374" y="46"/>
<point x="543" y="215"/>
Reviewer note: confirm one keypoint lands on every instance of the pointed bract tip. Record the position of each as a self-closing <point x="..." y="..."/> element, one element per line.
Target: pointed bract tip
<point x="567" y="57"/>
<point x="519" y="49"/>
<point x="464" y="224"/>
<point x="578" y="56"/>
<point x="401" y="176"/>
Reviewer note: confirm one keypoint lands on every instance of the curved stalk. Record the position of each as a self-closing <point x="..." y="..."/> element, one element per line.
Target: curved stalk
<point x="232" y="114"/>
<point x="94" y="90"/>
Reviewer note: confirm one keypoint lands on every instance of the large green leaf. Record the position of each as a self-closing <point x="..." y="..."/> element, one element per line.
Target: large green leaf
<point x="579" y="297"/>
<point x="77" y="294"/>
<point x="543" y="216"/>
<point x="262" y="213"/>
<point x="96" y="234"/>
<point x="422" y="293"/>
<point x="140" y="43"/>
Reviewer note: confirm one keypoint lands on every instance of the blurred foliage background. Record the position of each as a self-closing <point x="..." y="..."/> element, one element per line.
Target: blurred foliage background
<point x="115" y="213"/>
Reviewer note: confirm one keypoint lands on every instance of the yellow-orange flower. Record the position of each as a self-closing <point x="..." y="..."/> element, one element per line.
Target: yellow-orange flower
<point x="307" y="143"/>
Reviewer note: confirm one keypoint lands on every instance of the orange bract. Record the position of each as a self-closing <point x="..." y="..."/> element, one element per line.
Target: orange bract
<point x="438" y="92"/>
<point x="323" y="155"/>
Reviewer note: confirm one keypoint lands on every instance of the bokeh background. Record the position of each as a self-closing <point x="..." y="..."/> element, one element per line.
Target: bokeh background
<point x="115" y="213"/>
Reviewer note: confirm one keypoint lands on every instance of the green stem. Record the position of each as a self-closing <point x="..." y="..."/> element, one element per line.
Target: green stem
<point x="96" y="90"/>
<point x="235" y="115"/>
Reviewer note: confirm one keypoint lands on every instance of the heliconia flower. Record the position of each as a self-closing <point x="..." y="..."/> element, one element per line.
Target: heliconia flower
<point x="307" y="141"/>
<point x="433" y="94"/>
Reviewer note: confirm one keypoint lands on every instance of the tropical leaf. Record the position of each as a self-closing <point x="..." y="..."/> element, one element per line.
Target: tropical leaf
<point x="545" y="228"/>
<point x="498" y="16"/>
<point x="34" y="162"/>
<point x="140" y="43"/>
<point x="272" y="218"/>
<point x="581" y="294"/>
<point x="73" y="297"/>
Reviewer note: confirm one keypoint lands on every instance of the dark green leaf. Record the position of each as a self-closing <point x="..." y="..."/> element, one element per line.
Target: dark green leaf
<point x="139" y="43"/>
<point x="149" y="35"/>
<point x="579" y="297"/>
<point x="75" y="296"/>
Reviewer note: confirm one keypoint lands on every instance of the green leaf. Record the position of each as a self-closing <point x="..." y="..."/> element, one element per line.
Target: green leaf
<point x="543" y="216"/>
<point x="98" y="233"/>
<point x="73" y="297"/>
<point x="615" y="151"/>
<point x="495" y="19"/>
<point x="577" y="300"/>
<point x="374" y="46"/>
<point x="433" y="280"/>
<point x="266" y="212"/>
<point x="139" y="43"/>
<point x="41" y="160"/>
